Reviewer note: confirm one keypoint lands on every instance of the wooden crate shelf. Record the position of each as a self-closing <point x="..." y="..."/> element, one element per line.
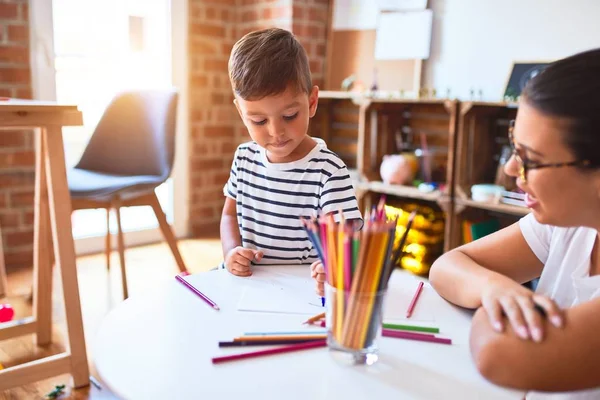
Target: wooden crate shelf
<point x="465" y="140"/>
<point x="408" y="192"/>
<point x="499" y="207"/>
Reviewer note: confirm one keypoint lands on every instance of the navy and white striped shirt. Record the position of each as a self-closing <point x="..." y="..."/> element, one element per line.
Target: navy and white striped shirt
<point x="271" y="197"/>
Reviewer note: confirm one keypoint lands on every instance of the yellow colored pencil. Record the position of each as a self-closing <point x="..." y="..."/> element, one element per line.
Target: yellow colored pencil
<point x="339" y="303"/>
<point x="360" y="273"/>
<point x="381" y="251"/>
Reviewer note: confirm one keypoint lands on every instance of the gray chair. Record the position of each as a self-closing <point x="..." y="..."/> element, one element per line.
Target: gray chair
<point x="130" y="153"/>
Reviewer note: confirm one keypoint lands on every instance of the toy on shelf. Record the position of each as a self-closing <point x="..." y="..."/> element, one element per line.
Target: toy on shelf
<point x="399" y="169"/>
<point x="486" y="193"/>
<point x="6" y="313"/>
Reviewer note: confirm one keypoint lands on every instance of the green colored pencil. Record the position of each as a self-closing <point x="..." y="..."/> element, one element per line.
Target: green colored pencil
<point x="355" y="250"/>
<point x="413" y="328"/>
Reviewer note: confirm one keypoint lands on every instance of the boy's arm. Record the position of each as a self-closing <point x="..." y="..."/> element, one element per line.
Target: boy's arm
<point x="566" y="360"/>
<point x="230" y="232"/>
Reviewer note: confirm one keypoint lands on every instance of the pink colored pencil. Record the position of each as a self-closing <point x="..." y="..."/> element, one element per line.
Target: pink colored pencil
<point x="422" y="338"/>
<point x="395" y="332"/>
<point x="278" y="350"/>
<point x="347" y="260"/>
<point x="413" y="302"/>
<point x="197" y="292"/>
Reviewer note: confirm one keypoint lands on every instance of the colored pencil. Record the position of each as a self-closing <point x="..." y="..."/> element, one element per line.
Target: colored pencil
<point x="393" y="332"/>
<point x="278" y="350"/>
<point x="279" y="337"/>
<point x="347" y="258"/>
<point x="197" y="292"/>
<point x="319" y="332"/>
<point x="340" y="279"/>
<point x="379" y="256"/>
<point x="314" y="318"/>
<point x="399" y="335"/>
<point x="413" y="302"/>
<point x="414" y="328"/>
<point x="265" y="343"/>
<point x="355" y="250"/>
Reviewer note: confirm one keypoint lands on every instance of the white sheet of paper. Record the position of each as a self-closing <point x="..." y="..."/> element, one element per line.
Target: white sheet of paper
<point x="293" y="295"/>
<point x="285" y="301"/>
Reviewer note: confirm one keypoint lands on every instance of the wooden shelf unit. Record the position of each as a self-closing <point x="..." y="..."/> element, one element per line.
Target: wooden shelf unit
<point x="385" y="123"/>
<point x="465" y="137"/>
<point x="482" y="134"/>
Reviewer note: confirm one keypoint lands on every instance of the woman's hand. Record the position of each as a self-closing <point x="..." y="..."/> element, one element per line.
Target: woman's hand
<point x="317" y="272"/>
<point x="523" y="308"/>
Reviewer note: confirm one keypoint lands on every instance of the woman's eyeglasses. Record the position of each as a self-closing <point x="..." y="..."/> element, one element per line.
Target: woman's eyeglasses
<point x="526" y="165"/>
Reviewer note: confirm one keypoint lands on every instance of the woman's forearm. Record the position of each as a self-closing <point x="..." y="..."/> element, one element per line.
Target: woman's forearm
<point x="459" y="279"/>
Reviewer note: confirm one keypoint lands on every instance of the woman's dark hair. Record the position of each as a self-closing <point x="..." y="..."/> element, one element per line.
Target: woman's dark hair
<point x="570" y="88"/>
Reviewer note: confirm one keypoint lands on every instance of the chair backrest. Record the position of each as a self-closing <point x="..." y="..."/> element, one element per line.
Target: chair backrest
<point x="135" y="136"/>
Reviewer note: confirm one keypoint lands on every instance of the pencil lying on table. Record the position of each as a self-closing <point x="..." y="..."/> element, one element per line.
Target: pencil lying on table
<point x="314" y="318"/>
<point x="279" y="350"/>
<point x="243" y="343"/>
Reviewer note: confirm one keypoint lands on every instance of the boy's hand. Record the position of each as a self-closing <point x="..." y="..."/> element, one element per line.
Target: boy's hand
<point x="239" y="259"/>
<point x="317" y="272"/>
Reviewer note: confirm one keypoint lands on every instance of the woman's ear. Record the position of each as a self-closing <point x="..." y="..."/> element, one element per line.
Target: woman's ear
<point x="313" y="101"/>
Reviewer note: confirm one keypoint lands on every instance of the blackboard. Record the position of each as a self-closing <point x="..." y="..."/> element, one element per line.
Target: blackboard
<point x="521" y="73"/>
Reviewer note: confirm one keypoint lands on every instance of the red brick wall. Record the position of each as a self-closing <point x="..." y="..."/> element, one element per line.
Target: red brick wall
<point x="309" y="24"/>
<point x="17" y="158"/>
<point x="216" y="130"/>
<point x="212" y="33"/>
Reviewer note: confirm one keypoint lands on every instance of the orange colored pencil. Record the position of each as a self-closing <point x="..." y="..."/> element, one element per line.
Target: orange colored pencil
<point x="314" y="318"/>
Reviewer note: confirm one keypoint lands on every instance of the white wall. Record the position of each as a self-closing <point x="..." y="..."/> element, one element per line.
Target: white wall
<point x="474" y="42"/>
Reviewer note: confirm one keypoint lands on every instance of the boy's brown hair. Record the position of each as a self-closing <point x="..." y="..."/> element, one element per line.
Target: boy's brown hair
<point x="266" y="62"/>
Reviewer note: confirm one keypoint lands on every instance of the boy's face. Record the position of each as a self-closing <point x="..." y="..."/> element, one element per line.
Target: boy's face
<point x="279" y="123"/>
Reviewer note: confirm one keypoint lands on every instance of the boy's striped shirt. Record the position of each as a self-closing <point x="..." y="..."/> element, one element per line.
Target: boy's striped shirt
<point x="270" y="199"/>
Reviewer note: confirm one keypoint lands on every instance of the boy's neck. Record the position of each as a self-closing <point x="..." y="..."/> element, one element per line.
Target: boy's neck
<point x="305" y="147"/>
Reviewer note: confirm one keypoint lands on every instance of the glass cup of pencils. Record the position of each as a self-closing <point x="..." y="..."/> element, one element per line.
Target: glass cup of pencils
<point x="358" y="264"/>
<point x="353" y="321"/>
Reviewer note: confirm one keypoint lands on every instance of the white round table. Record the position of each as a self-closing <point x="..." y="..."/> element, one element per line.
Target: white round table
<point x="159" y="346"/>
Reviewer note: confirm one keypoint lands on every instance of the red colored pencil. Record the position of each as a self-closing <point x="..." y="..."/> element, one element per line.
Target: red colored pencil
<point x="197" y="292"/>
<point x="413" y="302"/>
<point x="279" y="350"/>
<point x="422" y="338"/>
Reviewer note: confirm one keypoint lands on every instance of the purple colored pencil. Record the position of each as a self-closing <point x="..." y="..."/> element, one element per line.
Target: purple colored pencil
<point x="197" y="292"/>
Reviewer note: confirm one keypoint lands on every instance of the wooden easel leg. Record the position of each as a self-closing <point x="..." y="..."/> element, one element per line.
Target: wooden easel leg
<point x="42" y="268"/>
<point x="166" y="231"/>
<point x="64" y="249"/>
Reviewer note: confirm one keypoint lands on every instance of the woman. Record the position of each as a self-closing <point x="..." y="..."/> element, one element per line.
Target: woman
<point x="547" y="341"/>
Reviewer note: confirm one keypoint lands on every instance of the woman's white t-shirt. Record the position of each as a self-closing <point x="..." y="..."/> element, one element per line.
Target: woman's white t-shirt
<point x="566" y="254"/>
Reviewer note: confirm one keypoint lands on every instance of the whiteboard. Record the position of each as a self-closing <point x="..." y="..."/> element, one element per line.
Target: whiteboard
<point x="401" y="5"/>
<point x="355" y="15"/>
<point x="403" y="35"/>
